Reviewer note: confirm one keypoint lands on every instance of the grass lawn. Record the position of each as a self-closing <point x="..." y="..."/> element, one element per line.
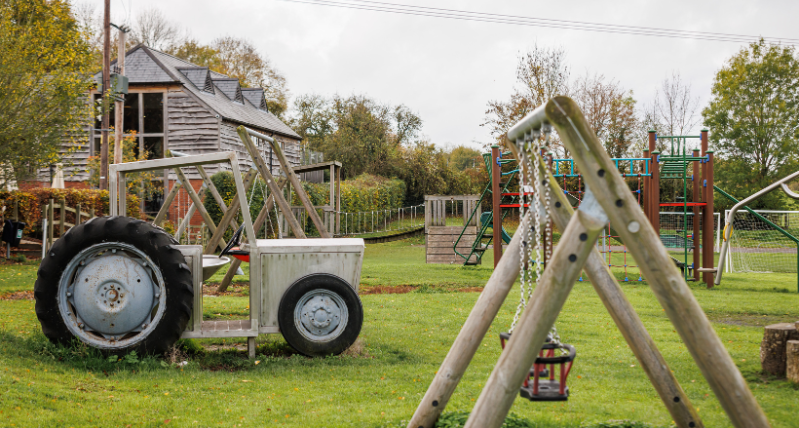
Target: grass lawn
<point x="404" y="339"/>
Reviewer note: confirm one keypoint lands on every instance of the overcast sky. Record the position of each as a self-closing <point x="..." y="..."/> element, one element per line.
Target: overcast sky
<point x="447" y="70"/>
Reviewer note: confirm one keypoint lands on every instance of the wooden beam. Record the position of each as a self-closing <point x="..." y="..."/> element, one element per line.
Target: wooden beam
<point x="295" y="226"/>
<point x="629" y="323"/>
<point x="198" y="205"/>
<point x="557" y="281"/>
<point x="654" y="261"/>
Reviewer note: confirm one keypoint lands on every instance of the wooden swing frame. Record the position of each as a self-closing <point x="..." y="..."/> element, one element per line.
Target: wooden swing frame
<point x="576" y="251"/>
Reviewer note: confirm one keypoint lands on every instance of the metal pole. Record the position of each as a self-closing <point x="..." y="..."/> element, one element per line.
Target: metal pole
<point x="708" y="214"/>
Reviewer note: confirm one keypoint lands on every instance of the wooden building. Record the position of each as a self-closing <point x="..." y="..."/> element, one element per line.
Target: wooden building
<point x="175" y="105"/>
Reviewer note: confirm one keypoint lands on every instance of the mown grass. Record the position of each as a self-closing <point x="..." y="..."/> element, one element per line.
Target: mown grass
<point x="404" y="339"/>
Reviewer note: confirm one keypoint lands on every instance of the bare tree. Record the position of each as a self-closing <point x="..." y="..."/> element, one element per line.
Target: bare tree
<point x="152" y="28"/>
<point x="674" y="108"/>
<point x="609" y="110"/>
<point x="541" y="74"/>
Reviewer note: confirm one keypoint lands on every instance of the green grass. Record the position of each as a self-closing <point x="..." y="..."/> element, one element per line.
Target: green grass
<point x="405" y="337"/>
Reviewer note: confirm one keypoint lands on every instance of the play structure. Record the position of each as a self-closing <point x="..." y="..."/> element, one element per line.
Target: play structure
<point x="724" y="257"/>
<point x="120" y="284"/>
<point x="607" y="198"/>
<point x="692" y="222"/>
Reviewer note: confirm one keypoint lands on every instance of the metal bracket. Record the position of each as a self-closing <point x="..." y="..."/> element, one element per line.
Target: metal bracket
<point x="591" y="206"/>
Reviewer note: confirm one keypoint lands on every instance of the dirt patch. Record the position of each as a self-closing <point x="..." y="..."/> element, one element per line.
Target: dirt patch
<point x="236" y="289"/>
<point x="752" y="320"/>
<point x="403" y="289"/>
<point x="17" y="295"/>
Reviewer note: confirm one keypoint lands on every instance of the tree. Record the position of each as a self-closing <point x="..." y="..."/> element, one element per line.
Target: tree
<point x="43" y="81"/>
<point x="754" y="117"/>
<point x="541" y="74"/>
<point x="462" y="158"/>
<point x="609" y="110"/>
<point x="153" y="29"/>
<point x="240" y="59"/>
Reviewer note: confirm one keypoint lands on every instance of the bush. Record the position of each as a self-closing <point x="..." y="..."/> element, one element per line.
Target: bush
<point x="31" y="204"/>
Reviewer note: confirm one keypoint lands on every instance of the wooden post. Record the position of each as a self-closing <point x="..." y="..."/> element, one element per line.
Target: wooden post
<point x="654" y="261"/>
<point x="77" y="214"/>
<point x="647" y="189"/>
<point x="16" y="210"/>
<point x="696" y="234"/>
<point x="63" y="222"/>
<point x="104" y="92"/>
<point x="792" y="361"/>
<point x="624" y="315"/>
<point x="708" y="218"/>
<point x="537" y="319"/>
<point x="198" y="205"/>
<point x="655" y="220"/>
<point x="285" y="208"/>
<point x="496" y="174"/>
<point x="652" y="184"/>
<point x="50" y="225"/>
<point x="773" y="347"/>
<point x="119" y="106"/>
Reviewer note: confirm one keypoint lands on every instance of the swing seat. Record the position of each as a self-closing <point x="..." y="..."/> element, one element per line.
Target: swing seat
<point x="541" y="384"/>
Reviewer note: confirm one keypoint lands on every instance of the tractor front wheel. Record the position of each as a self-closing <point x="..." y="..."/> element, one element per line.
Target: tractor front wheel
<point x="117" y="284"/>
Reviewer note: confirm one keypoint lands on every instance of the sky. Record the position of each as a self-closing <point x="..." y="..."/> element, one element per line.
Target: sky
<point x="448" y="70"/>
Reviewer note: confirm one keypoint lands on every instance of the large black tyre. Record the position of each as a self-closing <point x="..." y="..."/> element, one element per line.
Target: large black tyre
<point x="166" y="268"/>
<point x="320" y="315"/>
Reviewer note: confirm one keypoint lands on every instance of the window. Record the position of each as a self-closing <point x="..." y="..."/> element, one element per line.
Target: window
<point x="143" y="114"/>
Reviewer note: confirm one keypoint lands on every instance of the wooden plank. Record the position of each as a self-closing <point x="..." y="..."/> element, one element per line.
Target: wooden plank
<point x="624" y="315"/>
<point x="663" y="276"/>
<point x="198" y="205"/>
<point x="451" y="230"/>
<point x="537" y="319"/>
<point x="167" y="203"/>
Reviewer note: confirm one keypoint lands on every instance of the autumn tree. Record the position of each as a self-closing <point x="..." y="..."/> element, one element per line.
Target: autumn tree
<point x="541" y="73"/>
<point x="609" y="110"/>
<point x="44" y="61"/>
<point x="754" y="118"/>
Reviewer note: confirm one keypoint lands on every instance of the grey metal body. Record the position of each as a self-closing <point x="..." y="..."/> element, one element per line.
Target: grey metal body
<point x="275" y="264"/>
<point x="725" y="246"/>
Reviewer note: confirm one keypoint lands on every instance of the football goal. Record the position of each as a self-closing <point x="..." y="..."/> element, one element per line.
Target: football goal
<point x="757" y="244"/>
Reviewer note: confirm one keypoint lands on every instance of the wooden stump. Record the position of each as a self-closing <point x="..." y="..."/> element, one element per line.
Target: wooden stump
<point x="772" y="349"/>
<point x="792" y="360"/>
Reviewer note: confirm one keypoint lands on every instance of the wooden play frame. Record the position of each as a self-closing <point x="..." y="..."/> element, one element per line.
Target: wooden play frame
<point x="610" y="199"/>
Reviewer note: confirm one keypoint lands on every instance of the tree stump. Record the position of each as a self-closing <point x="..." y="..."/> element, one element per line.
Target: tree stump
<point x="792" y="360"/>
<point x="772" y="349"/>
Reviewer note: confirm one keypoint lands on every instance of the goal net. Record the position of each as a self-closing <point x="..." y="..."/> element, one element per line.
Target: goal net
<point x="757" y="246"/>
<point x="677" y="228"/>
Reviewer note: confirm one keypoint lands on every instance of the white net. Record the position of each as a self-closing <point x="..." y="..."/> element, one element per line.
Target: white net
<point x="676" y="228"/>
<point x="757" y="246"/>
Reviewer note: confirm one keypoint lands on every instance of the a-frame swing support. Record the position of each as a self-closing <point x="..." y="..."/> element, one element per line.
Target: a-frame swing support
<point x="612" y="195"/>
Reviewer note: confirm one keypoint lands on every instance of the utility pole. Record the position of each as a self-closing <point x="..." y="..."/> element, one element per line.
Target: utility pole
<point x="119" y="105"/>
<point x="106" y="101"/>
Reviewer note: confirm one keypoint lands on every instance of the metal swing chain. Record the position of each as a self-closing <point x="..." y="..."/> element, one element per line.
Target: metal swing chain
<point x="523" y="249"/>
<point x="553" y="335"/>
<point x="532" y="143"/>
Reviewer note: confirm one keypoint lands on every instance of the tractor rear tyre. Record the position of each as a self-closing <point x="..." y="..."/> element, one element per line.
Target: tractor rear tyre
<point x="320" y="315"/>
<point x="117" y="284"/>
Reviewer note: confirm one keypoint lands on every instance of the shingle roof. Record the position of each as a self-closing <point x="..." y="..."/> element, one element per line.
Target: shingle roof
<point x="147" y="65"/>
<point x="199" y="76"/>
<point x="255" y="96"/>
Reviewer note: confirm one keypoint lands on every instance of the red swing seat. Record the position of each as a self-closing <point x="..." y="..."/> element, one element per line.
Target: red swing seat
<point x="541" y="384"/>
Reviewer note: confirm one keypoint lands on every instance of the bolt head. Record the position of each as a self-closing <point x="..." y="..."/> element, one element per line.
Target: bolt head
<point x="69" y="294"/>
<point x="81" y="325"/>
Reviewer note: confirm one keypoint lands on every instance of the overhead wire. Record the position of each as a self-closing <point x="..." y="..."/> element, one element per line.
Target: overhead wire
<point x="464" y="15"/>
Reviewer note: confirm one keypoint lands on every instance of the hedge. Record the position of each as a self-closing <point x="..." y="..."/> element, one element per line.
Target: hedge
<point x="363" y="193"/>
<point x="31" y="203"/>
